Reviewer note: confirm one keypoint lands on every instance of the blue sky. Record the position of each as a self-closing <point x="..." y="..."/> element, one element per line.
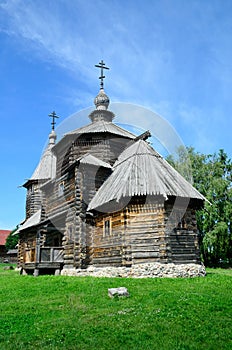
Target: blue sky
<point x="173" y="57"/>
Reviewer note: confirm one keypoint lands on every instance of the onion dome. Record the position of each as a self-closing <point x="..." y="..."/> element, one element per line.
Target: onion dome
<point x="101" y="101"/>
<point x="101" y="112"/>
<point x="52" y="138"/>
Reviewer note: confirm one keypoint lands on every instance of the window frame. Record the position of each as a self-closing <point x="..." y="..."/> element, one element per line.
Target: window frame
<point x="61" y="189"/>
<point x="107" y="230"/>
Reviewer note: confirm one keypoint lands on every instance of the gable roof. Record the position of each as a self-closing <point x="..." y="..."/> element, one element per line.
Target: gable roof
<point x="32" y="221"/>
<point x="140" y="170"/>
<point x="3" y="236"/>
<point x="46" y="169"/>
<point x="88" y="159"/>
<point x="96" y="127"/>
<point x="102" y="126"/>
<point x="92" y="160"/>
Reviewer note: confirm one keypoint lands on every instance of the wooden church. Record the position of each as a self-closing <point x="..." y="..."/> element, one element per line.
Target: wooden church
<point x="102" y="196"/>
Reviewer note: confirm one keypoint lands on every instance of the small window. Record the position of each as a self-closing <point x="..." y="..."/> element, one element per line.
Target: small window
<point x="107" y="227"/>
<point x="182" y="224"/>
<point x="33" y="189"/>
<point x="61" y="189"/>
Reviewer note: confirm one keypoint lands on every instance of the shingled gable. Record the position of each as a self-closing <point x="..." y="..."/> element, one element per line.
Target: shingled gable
<point x="31" y="222"/>
<point x="91" y="160"/>
<point x="47" y="165"/>
<point x="102" y="126"/>
<point x="139" y="171"/>
<point x="94" y="128"/>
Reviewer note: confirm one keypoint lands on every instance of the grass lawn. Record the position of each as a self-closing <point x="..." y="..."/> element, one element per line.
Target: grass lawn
<point x="58" y="312"/>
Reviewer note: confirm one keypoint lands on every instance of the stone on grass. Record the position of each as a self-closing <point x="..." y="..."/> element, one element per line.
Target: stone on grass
<point x="8" y="268"/>
<point x="118" y="292"/>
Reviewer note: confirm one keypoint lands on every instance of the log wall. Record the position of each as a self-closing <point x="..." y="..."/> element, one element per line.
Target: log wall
<point x="33" y="199"/>
<point x="79" y="189"/>
<point x="108" y="249"/>
<point x="104" y="146"/>
<point x="137" y="236"/>
<point x="143" y="233"/>
<point x="60" y="195"/>
<point x="182" y="235"/>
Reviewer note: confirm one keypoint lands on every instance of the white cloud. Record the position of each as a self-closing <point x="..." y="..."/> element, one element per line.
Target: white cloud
<point x="78" y="37"/>
<point x="169" y="61"/>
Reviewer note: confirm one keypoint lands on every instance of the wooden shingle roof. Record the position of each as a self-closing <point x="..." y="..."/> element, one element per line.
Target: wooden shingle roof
<point x="102" y="126"/>
<point x="30" y="222"/>
<point x="46" y="169"/>
<point x="140" y="170"/>
<point x="91" y="160"/>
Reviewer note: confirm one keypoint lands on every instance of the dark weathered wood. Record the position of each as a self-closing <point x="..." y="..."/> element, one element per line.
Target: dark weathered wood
<point x="141" y="231"/>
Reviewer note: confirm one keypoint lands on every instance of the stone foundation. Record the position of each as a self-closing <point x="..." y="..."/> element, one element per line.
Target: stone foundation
<point x="146" y="270"/>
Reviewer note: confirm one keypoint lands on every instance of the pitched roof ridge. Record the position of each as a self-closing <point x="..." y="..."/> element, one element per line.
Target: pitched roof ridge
<point x="136" y="153"/>
<point x="33" y="220"/>
<point x="86" y="155"/>
<point x="94" y="158"/>
<point x="43" y="169"/>
<point x="144" y="173"/>
<point x="71" y="132"/>
<point x="107" y="126"/>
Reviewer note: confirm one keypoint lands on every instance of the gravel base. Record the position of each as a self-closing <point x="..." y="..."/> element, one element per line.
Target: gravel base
<point x="146" y="270"/>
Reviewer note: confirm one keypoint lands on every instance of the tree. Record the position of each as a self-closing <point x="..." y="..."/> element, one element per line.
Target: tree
<point x="12" y="240"/>
<point x="212" y="176"/>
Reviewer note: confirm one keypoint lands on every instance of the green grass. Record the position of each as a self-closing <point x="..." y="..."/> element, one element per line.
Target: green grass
<point x="56" y="312"/>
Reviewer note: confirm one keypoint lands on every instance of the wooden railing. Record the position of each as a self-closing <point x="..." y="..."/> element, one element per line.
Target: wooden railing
<point x="51" y="254"/>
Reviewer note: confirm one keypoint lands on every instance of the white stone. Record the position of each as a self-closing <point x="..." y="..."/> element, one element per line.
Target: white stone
<point x="146" y="270"/>
<point x="120" y="292"/>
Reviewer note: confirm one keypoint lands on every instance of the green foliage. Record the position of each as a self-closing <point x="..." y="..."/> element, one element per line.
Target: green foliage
<point x="182" y="163"/>
<point x="12" y="240"/>
<point x="58" y="312"/>
<point x="212" y="176"/>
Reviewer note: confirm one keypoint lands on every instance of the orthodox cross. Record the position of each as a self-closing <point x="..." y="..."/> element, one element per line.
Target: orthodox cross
<point x="54" y="117"/>
<point x="102" y="66"/>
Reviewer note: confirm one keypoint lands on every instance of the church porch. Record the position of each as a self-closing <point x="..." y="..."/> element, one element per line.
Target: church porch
<point x="41" y="252"/>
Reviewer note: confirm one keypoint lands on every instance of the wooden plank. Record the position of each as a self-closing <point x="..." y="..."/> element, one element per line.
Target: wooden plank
<point x="147" y="255"/>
